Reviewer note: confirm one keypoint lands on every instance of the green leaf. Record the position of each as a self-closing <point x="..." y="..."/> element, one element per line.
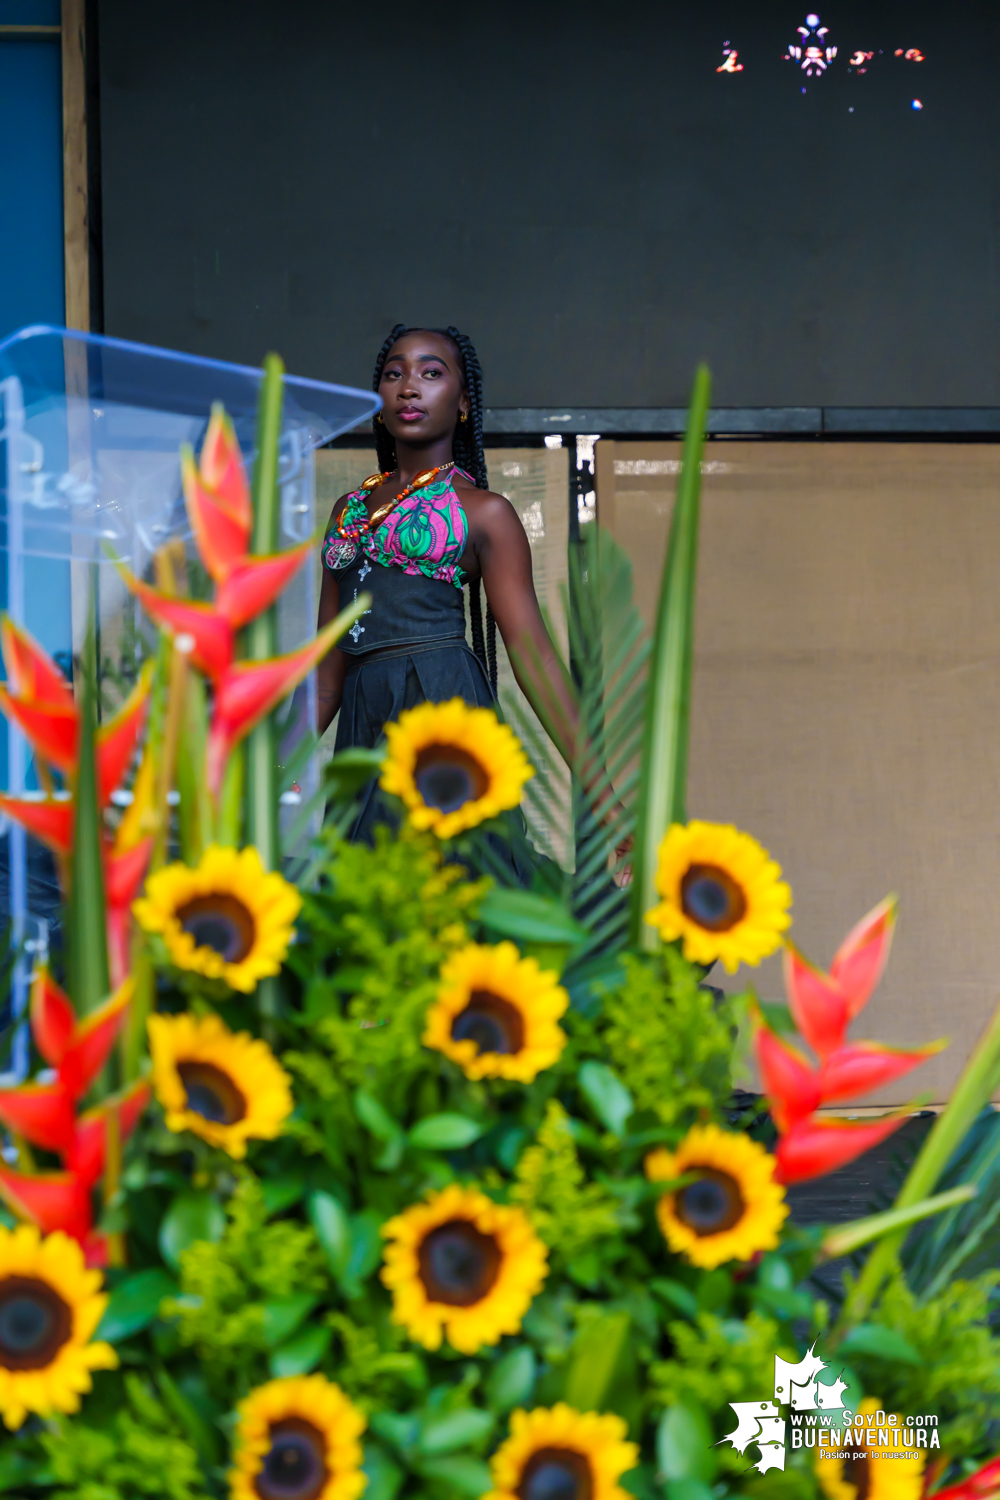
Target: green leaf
<point x="445" y="1132"/>
<point x="281" y="1192"/>
<point x="400" y="1429"/>
<point x="684" y="1444"/>
<point x="882" y="1342"/>
<point x="457" y="1429"/>
<point x="134" y="1304"/>
<point x="775" y="1273"/>
<point x="375" y="1117"/>
<point x="87" y="957"/>
<point x="206" y="1440"/>
<point x="526" y="917"/>
<point x="594" y="1360"/>
<point x="333" y="1230"/>
<point x="283" y="1316"/>
<point x="469" y="1476"/>
<point x="778" y="1017"/>
<point x="677" y="1295"/>
<point x="301" y="1353"/>
<point x="688" y="1489"/>
<point x="663" y="777"/>
<point x="715" y="1290"/>
<point x="607" y="1096"/>
<point x="366" y="1250"/>
<point x="512" y="1379"/>
<point x="191" y="1216"/>
<point x="349" y="770"/>
<point x="384" y="1476"/>
<point x="260" y="639"/>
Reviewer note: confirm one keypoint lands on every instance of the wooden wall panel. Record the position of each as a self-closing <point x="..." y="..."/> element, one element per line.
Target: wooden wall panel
<point x="846" y="705"/>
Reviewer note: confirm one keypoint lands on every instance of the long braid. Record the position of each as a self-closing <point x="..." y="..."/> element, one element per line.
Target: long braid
<point x="468" y="450"/>
<point x="385" y="443"/>
<point x="467" y="447"/>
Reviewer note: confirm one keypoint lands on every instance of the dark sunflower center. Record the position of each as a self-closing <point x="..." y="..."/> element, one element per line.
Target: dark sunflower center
<point x="710" y="1205"/>
<point x="491" y="1022"/>
<point x="35" y="1322"/>
<point x="857" y="1471"/>
<point x="221" y="923"/>
<point x="556" y="1474"/>
<point x="711" y="897"/>
<point x="447" y="777"/>
<point x="294" y="1466"/>
<point x="458" y="1264"/>
<point x="211" y="1093"/>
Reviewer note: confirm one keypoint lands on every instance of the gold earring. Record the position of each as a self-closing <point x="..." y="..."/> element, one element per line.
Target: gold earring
<point x="380" y="418"/>
<point x="463" y="416"/>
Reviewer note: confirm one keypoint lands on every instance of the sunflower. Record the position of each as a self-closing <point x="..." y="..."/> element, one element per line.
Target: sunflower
<point x="225" y="1086"/>
<point x="50" y="1305"/>
<point x="453" y="766"/>
<point x="461" y="1265"/>
<point x="863" y="1473"/>
<point x="721" y="894"/>
<point x="735" y="1207"/>
<point x="562" y="1454"/>
<point x="496" y="1013"/>
<point x="298" y="1439"/>
<point x="228" y="919"/>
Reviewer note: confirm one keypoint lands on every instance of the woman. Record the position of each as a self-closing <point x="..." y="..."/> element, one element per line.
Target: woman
<point x="413" y="536"/>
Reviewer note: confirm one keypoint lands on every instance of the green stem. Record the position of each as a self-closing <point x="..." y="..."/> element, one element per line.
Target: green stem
<point x="973" y="1090"/>
<point x="663" y="782"/>
<point x="262" y="633"/>
<point x="88" y="943"/>
<point x="142" y="1003"/>
<point x="852" y="1236"/>
<point x="262" y="642"/>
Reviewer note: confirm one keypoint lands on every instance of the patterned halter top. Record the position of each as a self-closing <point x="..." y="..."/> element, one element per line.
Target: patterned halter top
<point x="426" y="534"/>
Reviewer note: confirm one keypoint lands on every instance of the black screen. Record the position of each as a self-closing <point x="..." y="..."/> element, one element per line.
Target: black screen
<point x="578" y="187"/>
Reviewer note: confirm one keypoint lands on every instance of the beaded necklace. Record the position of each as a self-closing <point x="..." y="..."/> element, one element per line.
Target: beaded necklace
<point x="342" y="548"/>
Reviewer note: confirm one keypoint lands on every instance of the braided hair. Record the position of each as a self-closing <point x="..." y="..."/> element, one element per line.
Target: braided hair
<point x="467" y="446"/>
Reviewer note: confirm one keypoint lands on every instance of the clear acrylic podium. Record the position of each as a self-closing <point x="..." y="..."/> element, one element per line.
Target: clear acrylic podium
<point x="90" y="430"/>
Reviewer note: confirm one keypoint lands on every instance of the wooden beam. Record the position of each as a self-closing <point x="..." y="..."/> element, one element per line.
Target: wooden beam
<point x="29" y="33"/>
<point x="76" y="228"/>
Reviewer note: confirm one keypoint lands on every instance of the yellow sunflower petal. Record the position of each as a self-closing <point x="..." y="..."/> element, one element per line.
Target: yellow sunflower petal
<point x="304" y="1419"/>
<point x="227" y="918"/>
<point x="722" y="895"/>
<point x="736" y="1191"/>
<point x="461" y="1267"/>
<point x="583" y="1450"/>
<point x="496" y="1013"/>
<point x="50" y="1305"/>
<point x="878" y="1473"/>
<point x="225" y="1086"/>
<point x="453" y="766"/>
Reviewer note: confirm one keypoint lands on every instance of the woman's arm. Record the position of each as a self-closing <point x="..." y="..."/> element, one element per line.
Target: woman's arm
<point x="504" y="557"/>
<point x="332" y="669"/>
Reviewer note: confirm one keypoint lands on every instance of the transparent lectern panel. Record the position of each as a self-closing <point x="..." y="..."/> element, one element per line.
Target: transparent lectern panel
<point x="89" y="472"/>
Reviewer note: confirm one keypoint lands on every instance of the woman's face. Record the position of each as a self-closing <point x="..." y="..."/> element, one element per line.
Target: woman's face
<point x="421" y="387"/>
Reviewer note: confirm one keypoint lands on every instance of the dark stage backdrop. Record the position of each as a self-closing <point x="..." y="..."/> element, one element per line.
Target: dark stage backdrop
<point x="577" y="186"/>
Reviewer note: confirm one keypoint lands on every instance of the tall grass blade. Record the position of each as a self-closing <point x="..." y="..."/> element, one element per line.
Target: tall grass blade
<point x="663" y="783"/>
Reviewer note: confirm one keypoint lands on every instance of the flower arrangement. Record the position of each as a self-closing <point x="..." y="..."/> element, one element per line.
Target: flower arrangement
<point x="403" y="1181"/>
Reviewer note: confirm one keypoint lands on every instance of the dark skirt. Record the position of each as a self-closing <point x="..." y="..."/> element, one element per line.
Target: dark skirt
<point x="378" y="689"/>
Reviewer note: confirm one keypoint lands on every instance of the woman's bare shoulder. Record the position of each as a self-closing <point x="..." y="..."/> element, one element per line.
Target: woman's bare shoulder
<point x="339" y="504"/>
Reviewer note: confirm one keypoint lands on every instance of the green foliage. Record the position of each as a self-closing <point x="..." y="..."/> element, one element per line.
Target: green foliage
<point x="374" y="1365"/>
<point x="138" y="1453"/>
<point x="958" y="1370"/>
<point x="221" y="1312"/>
<point x="718" y="1360"/>
<point x="550" y="1184"/>
<point x="662" y="1025"/>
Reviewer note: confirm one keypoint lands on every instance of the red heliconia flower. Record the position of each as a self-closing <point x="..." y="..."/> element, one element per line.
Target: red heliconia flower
<point x="819" y="1144"/>
<point x="791" y="1085"/>
<point x="124" y="873"/>
<point x="248" y="691"/>
<point x="48" y="819"/>
<point x="45" y="1114"/>
<point x="984" y="1484"/>
<point x="823" y="1005"/>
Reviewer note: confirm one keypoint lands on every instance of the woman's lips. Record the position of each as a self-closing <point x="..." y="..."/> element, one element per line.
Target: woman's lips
<point x="411" y="414"/>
